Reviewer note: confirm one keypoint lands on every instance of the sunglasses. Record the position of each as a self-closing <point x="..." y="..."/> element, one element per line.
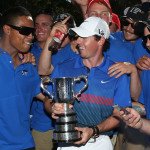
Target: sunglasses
<point x="23" y="30"/>
<point x="148" y="27"/>
<point x="126" y="23"/>
<point x="72" y="35"/>
<point x="145" y="38"/>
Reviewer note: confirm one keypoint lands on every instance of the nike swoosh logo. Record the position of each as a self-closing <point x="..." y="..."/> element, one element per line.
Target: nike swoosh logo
<point x="104" y="81"/>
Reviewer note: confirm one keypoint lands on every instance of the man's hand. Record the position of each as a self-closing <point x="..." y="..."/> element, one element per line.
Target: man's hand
<point x="143" y="63"/>
<point x="57" y="109"/>
<point x="48" y="103"/>
<point x="60" y="26"/>
<point x="121" y="68"/>
<point x="132" y="119"/>
<point x="27" y="58"/>
<point x="86" y="134"/>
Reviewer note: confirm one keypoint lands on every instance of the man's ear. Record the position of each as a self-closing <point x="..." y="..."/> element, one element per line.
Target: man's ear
<point x="110" y="19"/>
<point x="101" y="41"/>
<point x="85" y="16"/>
<point x="6" y="29"/>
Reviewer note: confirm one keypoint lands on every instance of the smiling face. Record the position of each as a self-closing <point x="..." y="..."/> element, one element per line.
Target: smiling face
<point x="88" y="47"/>
<point x="147" y="36"/>
<point x="43" y="23"/>
<point x="128" y="31"/>
<point x="99" y="10"/>
<point x="18" y="41"/>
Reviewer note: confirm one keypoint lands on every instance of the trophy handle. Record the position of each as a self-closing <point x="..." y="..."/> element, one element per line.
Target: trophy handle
<point x="43" y="85"/>
<point x="84" y="87"/>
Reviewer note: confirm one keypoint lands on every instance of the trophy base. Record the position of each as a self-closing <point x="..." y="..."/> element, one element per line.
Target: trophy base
<point x="66" y="137"/>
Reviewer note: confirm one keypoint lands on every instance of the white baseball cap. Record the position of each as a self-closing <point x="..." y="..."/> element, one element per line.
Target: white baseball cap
<point x="92" y="26"/>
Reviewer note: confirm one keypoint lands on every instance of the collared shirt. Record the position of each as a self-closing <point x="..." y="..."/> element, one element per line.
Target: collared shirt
<point x="36" y="51"/>
<point x="63" y="54"/>
<point x="40" y="120"/>
<point x="140" y="51"/>
<point x="120" y="50"/>
<point x="18" y="87"/>
<point x="102" y="93"/>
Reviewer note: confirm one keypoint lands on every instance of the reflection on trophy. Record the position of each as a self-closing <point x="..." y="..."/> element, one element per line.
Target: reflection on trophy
<point x="63" y="92"/>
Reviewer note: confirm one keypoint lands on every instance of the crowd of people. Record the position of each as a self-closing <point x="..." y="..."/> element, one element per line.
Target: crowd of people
<point x="112" y="51"/>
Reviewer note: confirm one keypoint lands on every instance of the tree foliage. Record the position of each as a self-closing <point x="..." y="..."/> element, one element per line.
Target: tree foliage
<point x="61" y="6"/>
<point x="119" y="5"/>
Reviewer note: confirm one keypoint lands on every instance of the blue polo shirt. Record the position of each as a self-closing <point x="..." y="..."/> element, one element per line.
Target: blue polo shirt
<point x="102" y="93"/>
<point x="63" y="54"/>
<point x="36" y="51"/>
<point x="40" y="120"/>
<point x="120" y="50"/>
<point x="140" y="51"/>
<point x="18" y="87"/>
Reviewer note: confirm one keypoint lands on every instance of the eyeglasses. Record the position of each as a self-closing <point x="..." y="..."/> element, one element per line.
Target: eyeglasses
<point x="146" y="38"/>
<point x="23" y="30"/>
<point x="101" y="14"/>
<point x="126" y="23"/>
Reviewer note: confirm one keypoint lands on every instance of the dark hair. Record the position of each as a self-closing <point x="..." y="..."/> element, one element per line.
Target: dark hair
<point x="106" y="44"/>
<point x="10" y="16"/>
<point x="46" y="11"/>
<point x="139" y="28"/>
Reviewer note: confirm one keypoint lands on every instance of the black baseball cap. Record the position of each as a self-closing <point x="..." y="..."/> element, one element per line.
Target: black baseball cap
<point x="135" y="13"/>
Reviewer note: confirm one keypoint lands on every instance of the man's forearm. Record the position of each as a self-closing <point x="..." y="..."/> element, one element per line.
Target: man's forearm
<point x="108" y="124"/>
<point x="135" y="85"/>
<point x="145" y="126"/>
<point x="44" y="66"/>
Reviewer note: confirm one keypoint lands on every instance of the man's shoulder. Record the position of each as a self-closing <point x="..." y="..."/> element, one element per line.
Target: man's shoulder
<point x="68" y="62"/>
<point x="35" y="47"/>
<point x="117" y="35"/>
<point x="1" y="51"/>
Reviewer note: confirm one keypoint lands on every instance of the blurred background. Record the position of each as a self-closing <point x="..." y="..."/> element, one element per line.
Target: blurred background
<point x="60" y="6"/>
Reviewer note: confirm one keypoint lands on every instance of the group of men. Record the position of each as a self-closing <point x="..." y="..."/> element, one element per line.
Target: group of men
<point x="106" y="59"/>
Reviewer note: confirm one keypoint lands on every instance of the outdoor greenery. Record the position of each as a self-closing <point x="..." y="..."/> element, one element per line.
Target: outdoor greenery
<point x="60" y="6"/>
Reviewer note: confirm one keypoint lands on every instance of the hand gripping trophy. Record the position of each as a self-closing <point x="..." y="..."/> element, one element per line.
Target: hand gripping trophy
<point x="63" y="92"/>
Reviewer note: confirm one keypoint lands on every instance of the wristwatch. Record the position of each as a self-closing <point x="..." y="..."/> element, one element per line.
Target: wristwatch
<point x="96" y="131"/>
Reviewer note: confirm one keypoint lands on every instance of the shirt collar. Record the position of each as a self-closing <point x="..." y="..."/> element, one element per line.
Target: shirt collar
<point x="36" y="45"/>
<point x="103" y="66"/>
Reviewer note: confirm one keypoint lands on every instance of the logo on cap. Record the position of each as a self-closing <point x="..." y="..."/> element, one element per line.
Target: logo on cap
<point x="101" y="32"/>
<point x="135" y="10"/>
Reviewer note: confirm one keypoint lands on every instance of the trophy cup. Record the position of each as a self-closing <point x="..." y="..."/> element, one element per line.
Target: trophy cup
<point x="63" y="92"/>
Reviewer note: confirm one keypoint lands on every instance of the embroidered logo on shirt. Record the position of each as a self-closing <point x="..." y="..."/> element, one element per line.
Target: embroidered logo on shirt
<point x="24" y="72"/>
<point x="103" y="82"/>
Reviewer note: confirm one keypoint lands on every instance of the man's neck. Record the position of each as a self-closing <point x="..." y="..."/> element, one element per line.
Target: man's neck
<point x="93" y="62"/>
<point x="11" y="51"/>
<point x="42" y="44"/>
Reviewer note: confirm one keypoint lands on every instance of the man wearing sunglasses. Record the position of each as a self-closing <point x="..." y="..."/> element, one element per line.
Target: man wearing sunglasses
<point x="117" y="51"/>
<point x="142" y="50"/>
<point x="19" y="82"/>
<point x="131" y="32"/>
<point x="134" y="119"/>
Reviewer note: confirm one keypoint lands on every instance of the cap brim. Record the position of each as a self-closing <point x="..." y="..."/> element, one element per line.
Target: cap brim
<point x="82" y="32"/>
<point x="107" y="5"/>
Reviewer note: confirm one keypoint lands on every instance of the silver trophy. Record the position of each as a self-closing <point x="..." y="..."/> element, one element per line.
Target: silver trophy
<point x="63" y="92"/>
